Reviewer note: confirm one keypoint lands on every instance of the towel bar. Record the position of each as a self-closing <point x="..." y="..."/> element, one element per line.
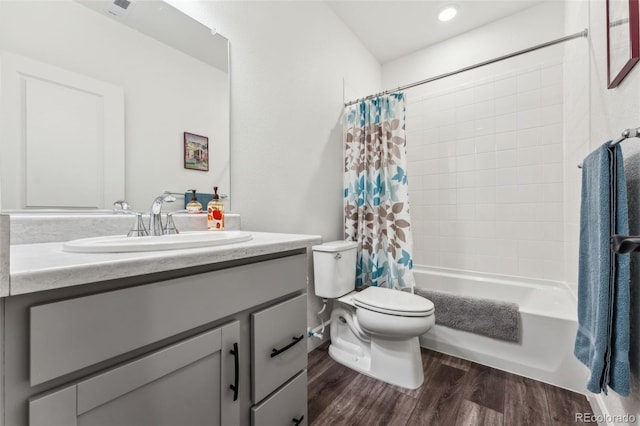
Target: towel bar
<point x="626" y="134"/>
<point x="625" y="243"/>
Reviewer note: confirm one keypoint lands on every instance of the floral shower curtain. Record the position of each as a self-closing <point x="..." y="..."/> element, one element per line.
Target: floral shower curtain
<point x="376" y="201"/>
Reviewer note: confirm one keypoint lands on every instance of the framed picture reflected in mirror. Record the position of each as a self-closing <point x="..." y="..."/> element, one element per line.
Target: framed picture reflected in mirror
<point x="623" y="39"/>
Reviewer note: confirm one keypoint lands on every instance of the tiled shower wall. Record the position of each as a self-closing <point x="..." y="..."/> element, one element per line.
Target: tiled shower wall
<point x="486" y="174"/>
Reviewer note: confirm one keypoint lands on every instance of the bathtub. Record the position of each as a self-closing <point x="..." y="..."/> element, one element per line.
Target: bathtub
<point x="548" y="322"/>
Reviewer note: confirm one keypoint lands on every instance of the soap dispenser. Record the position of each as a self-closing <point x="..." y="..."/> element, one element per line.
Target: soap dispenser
<point x="194" y="205"/>
<point x="215" y="212"/>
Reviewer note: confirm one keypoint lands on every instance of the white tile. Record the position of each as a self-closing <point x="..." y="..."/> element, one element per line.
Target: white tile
<point x="447" y="181"/>
<point x="483" y="92"/>
<point x="465" y="147"/>
<point x="466" y="179"/>
<point x="505" y="123"/>
<point x="553" y="192"/>
<point x="465" y="163"/>
<point x="551" y="115"/>
<point x="505" y="86"/>
<point x="506" y="175"/>
<point x="446" y="196"/>
<point x="506" y="158"/>
<point x="530" y="174"/>
<point x="485" y="160"/>
<point x="553" y="153"/>
<point x="485" y="178"/>
<point x="529" y="137"/>
<point x="530" y="193"/>
<point x="465" y="113"/>
<point x="463" y="97"/>
<point x="465" y="130"/>
<point x="466" y="211"/>
<point x="529" y="81"/>
<point x="430" y="136"/>
<point x="506" y="140"/>
<point x="529" y="118"/>
<point x="446" y="149"/>
<point x="485" y="195"/>
<point x="552" y="173"/>
<point x="484" y="109"/>
<point x="552" y="134"/>
<point x="486" y="212"/>
<point x="551" y="75"/>
<point x="508" y="194"/>
<point x="448" y="213"/>
<point x="484" y="126"/>
<point x="528" y="100"/>
<point x="485" y="143"/>
<point x="551" y="95"/>
<point x="528" y="156"/>
<point x="506" y="105"/>
<point x="447" y="133"/>
<point x="466" y="196"/>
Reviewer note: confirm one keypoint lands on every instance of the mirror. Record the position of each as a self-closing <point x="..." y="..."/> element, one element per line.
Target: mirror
<point x="130" y="78"/>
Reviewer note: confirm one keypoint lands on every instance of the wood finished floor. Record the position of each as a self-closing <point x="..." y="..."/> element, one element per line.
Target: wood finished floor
<point x="455" y="392"/>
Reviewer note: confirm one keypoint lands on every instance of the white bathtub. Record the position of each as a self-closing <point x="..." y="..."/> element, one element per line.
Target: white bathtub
<point x="548" y="320"/>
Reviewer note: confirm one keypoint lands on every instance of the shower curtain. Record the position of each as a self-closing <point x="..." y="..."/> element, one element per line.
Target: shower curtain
<point x="376" y="199"/>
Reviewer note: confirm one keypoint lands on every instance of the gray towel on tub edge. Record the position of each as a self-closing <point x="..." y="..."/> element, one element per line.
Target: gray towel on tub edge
<point x="492" y="318"/>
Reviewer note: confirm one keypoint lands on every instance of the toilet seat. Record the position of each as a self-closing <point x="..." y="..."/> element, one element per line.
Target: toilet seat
<point x="393" y="302"/>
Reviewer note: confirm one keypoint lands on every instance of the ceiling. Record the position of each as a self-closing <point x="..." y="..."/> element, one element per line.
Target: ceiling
<point x="391" y="29"/>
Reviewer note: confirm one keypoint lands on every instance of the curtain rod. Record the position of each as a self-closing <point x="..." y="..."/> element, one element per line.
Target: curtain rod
<point x="583" y="33"/>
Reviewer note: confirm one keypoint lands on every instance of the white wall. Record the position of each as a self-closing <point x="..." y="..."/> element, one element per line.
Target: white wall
<point x="161" y="102"/>
<point x="288" y="63"/>
<point x="610" y="112"/>
<point x="485" y="149"/>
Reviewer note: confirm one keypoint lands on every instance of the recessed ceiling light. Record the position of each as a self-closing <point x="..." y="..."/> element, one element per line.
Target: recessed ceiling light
<point x="447" y="14"/>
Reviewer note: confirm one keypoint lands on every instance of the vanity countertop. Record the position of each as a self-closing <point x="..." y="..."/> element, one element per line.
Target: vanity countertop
<point x="45" y="266"/>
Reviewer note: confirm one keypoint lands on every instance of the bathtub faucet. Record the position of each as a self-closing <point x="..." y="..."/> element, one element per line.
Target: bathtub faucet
<point x="155" y="214"/>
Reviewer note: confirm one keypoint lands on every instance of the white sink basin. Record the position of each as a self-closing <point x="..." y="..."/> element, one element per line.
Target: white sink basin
<point x="122" y="243"/>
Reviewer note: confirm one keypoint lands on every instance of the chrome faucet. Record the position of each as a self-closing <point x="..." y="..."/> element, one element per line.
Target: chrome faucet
<point x="155" y="214"/>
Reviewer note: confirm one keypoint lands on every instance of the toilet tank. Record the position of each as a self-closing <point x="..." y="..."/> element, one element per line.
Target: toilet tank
<point x="334" y="268"/>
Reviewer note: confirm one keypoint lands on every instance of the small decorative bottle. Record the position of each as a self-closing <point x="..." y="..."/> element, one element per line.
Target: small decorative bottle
<point x="215" y="212"/>
<point x="194" y="205"/>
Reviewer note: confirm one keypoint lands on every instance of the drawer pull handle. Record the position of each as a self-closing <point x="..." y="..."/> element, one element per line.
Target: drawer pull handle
<point x="296" y="422"/>
<point x="275" y="352"/>
<point x="234" y="387"/>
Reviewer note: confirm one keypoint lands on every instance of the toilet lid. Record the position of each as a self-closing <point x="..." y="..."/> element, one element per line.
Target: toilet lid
<point x="393" y="302"/>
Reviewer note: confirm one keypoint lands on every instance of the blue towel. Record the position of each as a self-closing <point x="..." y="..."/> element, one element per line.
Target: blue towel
<point x="202" y="197"/>
<point x="602" y="341"/>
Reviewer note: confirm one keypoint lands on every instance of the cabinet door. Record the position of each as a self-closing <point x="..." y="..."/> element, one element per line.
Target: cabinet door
<point x="189" y="383"/>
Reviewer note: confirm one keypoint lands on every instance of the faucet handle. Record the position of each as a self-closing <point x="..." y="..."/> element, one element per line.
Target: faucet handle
<point x="121" y="206"/>
<point x="138" y="229"/>
<point x="170" y="226"/>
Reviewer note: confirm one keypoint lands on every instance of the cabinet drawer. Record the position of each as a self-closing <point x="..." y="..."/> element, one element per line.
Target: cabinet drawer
<point x="72" y="334"/>
<point x="287" y="406"/>
<point x="279" y="345"/>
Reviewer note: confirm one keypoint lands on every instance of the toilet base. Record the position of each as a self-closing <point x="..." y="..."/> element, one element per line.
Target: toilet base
<point x="397" y="362"/>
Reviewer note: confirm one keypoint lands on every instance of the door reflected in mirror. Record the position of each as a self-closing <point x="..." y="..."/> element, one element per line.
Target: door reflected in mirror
<point x="66" y="145"/>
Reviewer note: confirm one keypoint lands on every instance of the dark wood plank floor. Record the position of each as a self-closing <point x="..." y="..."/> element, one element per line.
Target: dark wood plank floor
<point x="455" y="392"/>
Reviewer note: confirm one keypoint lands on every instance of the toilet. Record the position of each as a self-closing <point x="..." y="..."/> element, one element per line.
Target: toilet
<point x="374" y="331"/>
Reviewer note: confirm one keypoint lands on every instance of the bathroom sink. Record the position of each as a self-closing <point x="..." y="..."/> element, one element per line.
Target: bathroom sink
<point x="122" y="243"/>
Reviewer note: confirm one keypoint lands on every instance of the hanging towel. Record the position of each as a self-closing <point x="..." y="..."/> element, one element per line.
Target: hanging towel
<point x="602" y="341"/>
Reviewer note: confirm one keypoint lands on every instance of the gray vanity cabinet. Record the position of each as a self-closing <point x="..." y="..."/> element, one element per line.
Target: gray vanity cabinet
<point x="173" y="351"/>
<point x="192" y="382"/>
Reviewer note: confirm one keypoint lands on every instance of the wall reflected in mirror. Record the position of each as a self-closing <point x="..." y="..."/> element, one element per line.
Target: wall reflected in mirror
<point x="62" y="142"/>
